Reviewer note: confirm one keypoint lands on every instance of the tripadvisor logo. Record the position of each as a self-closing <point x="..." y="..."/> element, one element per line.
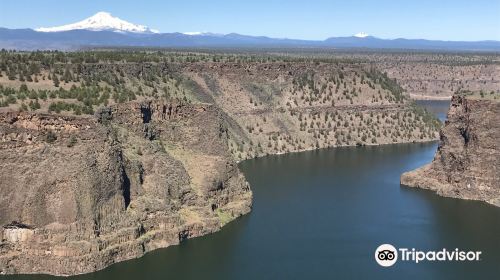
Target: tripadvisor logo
<point x="387" y="255"/>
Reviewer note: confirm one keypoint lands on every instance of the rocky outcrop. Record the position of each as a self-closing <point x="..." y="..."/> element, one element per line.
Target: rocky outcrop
<point x="78" y="194"/>
<point x="467" y="162"/>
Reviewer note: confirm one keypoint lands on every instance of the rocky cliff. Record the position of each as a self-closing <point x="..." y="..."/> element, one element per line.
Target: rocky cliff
<point x="80" y="193"/>
<point x="293" y="107"/>
<point x="467" y="162"/>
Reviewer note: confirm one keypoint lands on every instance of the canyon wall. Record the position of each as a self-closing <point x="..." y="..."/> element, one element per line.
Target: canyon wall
<point x="467" y="162"/>
<point x="291" y="107"/>
<point x="80" y="193"/>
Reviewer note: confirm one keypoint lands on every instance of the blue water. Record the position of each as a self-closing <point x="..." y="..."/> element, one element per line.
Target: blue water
<point x="437" y="107"/>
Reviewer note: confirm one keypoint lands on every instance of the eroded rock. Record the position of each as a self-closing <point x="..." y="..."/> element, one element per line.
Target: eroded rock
<point x="467" y="162"/>
<point x="116" y="192"/>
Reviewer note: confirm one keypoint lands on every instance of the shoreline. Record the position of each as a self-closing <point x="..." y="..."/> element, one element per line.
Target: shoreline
<point x="341" y="146"/>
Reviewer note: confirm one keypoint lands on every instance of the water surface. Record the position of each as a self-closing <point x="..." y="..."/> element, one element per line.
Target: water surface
<point x="437" y="107"/>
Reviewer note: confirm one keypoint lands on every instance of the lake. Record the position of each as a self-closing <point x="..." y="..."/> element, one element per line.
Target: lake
<point x="321" y="215"/>
<point x="437" y="107"/>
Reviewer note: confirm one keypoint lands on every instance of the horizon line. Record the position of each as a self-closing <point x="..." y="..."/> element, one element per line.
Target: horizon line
<point x="199" y="33"/>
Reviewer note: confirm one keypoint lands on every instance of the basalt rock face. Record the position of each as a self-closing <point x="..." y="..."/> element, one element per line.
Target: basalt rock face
<point x="467" y="162"/>
<point x="78" y="194"/>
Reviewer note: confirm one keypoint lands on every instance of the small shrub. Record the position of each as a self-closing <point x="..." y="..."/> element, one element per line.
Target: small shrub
<point x="50" y="137"/>
<point x="72" y="141"/>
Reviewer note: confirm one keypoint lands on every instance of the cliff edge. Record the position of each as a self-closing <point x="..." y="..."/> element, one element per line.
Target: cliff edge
<point x="467" y="162"/>
<point x="80" y="193"/>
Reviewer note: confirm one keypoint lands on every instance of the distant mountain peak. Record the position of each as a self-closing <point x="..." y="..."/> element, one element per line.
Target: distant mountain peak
<point x="198" y="33"/>
<point x="193" y="33"/>
<point x="361" y="35"/>
<point x="99" y="22"/>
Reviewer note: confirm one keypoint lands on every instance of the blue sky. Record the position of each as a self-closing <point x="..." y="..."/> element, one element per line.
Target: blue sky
<point x="307" y="19"/>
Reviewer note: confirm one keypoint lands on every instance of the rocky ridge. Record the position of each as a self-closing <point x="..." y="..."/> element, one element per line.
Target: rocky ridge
<point x="467" y="162"/>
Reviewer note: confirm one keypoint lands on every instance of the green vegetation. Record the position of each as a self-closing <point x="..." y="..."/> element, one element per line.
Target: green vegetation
<point x="72" y="141"/>
<point x="224" y="217"/>
<point x="426" y="117"/>
<point x="386" y="83"/>
<point x="50" y="137"/>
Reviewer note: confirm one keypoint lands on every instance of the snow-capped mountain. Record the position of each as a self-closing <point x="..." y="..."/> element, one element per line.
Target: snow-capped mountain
<point x="198" y="33"/>
<point x="103" y="29"/>
<point x="194" y="33"/>
<point x="102" y="21"/>
<point x="361" y="35"/>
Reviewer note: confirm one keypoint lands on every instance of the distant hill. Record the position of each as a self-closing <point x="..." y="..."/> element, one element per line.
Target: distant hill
<point x="401" y="43"/>
<point x="104" y="30"/>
